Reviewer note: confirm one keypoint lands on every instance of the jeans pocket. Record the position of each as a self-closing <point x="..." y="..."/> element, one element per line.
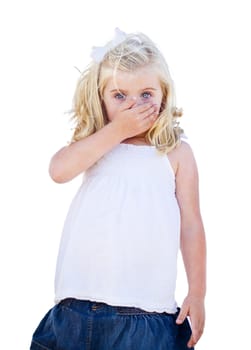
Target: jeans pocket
<point x="61" y="328"/>
<point x="183" y="335"/>
<point x="36" y="346"/>
<point x="44" y="337"/>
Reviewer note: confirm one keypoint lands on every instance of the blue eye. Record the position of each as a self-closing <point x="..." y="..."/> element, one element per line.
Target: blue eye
<point x="146" y="95"/>
<point x="119" y="96"/>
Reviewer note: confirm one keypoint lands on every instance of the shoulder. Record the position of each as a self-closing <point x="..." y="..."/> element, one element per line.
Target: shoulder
<point x="182" y="157"/>
<point x="183" y="149"/>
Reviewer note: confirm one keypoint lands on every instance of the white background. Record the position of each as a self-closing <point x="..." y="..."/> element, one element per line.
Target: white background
<point x="207" y="46"/>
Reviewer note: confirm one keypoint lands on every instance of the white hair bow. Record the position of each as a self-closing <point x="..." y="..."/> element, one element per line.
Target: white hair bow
<point x="99" y="52"/>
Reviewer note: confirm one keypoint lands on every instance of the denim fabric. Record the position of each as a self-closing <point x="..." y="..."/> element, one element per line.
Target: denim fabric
<point x="84" y="325"/>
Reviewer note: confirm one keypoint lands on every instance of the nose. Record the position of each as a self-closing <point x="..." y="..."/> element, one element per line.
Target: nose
<point x="134" y="98"/>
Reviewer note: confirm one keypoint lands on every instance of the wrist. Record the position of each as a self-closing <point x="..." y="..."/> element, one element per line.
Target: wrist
<point x="197" y="294"/>
<point x="115" y="131"/>
<point x="119" y="129"/>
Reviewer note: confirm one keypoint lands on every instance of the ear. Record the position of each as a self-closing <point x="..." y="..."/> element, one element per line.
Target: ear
<point x="106" y="120"/>
<point x="162" y="106"/>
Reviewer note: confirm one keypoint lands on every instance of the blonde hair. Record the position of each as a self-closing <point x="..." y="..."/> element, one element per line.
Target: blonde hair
<point x="135" y="51"/>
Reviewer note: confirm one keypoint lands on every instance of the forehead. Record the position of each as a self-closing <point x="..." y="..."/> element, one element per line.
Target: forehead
<point x="140" y="78"/>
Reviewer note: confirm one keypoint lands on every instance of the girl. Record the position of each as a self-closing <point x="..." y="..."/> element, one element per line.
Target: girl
<point x="139" y="201"/>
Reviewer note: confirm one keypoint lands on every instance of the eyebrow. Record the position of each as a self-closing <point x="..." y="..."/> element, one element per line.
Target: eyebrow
<point x="122" y="90"/>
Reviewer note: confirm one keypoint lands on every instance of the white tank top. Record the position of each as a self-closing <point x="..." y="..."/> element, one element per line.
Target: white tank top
<point x="121" y="236"/>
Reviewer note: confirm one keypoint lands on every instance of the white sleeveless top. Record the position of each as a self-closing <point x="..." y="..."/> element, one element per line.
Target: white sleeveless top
<point x="121" y="235"/>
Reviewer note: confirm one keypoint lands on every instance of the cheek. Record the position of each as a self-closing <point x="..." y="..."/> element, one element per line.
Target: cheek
<point x="160" y="103"/>
<point x="110" y="111"/>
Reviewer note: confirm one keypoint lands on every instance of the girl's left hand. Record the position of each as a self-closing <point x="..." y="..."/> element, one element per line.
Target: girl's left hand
<point x="194" y="308"/>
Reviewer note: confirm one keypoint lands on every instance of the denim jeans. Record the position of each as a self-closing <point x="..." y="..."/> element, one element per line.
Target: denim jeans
<point x="84" y="325"/>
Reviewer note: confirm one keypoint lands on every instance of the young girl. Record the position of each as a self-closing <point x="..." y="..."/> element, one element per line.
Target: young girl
<point x="138" y="203"/>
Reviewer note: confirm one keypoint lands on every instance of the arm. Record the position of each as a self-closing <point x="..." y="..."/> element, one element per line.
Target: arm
<point x="193" y="243"/>
<point x="76" y="158"/>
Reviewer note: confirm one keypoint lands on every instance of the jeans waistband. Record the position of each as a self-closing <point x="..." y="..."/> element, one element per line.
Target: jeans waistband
<point x="100" y="307"/>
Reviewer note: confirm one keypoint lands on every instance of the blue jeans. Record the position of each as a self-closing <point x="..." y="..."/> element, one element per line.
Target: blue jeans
<point x="84" y="325"/>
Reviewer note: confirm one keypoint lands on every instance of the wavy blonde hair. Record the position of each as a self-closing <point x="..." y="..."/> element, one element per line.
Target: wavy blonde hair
<point x="135" y="51"/>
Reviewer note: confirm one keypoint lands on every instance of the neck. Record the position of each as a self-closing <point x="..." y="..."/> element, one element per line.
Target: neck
<point x="138" y="139"/>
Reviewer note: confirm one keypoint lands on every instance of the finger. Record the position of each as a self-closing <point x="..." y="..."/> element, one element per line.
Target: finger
<point x="197" y="333"/>
<point x="128" y="104"/>
<point x="195" y="337"/>
<point x="150" y="113"/>
<point x="151" y="109"/>
<point x="182" y="315"/>
<point x="144" y="107"/>
<point x="197" y="326"/>
<point x="153" y="117"/>
<point x="150" y="120"/>
<point x="191" y="343"/>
